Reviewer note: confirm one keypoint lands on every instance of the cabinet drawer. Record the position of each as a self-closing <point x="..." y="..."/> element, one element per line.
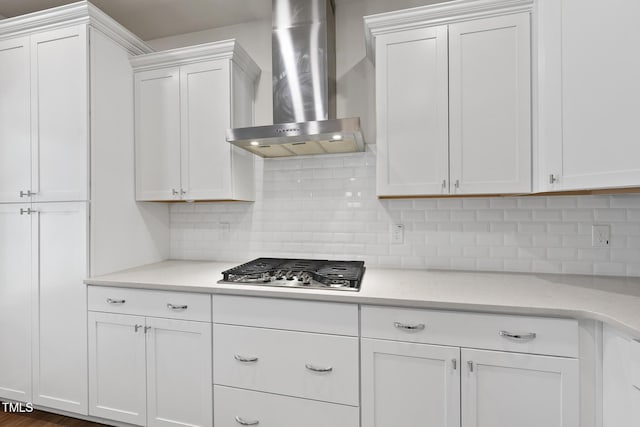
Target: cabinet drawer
<point x="313" y="366"/>
<point x="172" y="305"/>
<point x="233" y="407"/>
<point x="557" y="337"/>
<point x="294" y="315"/>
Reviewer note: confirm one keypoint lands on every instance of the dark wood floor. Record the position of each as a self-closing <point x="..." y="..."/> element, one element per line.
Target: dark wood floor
<point x="41" y="419"/>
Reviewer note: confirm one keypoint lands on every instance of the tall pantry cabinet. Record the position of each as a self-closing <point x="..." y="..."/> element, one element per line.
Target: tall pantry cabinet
<point x="67" y="204"/>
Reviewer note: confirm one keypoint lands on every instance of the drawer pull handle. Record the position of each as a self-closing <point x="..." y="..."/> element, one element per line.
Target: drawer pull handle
<point x="417" y="327"/>
<point x="636" y="387"/>
<point x="314" y="368"/>
<point x="245" y="359"/>
<point x="244" y="422"/>
<point x="115" y="301"/>
<point x="177" y="307"/>
<point x="518" y="337"/>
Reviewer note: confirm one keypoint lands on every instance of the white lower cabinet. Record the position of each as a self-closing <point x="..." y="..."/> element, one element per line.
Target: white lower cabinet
<point x="277" y="363"/>
<point x="501" y="389"/>
<point x="15" y="303"/>
<point x="117" y="367"/>
<point x="621" y="379"/>
<point x="147" y="370"/>
<point x="407" y="384"/>
<point x="422" y="382"/>
<point x="234" y="407"/>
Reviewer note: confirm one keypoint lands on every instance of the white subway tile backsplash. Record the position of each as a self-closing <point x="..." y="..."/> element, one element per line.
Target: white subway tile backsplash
<point x="326" y="207"/>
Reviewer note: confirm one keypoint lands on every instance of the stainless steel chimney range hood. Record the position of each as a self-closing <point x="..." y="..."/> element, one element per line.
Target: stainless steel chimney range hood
<point x="304" y="90"/>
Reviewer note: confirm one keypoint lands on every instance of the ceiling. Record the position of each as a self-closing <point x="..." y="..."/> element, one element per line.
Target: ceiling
<point x="152" y="19"/>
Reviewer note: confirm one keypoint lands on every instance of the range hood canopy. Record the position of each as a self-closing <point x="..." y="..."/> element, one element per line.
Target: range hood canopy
<point x="304" y="89"/>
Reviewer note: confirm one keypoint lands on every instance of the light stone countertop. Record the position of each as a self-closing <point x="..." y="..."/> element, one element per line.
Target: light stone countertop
<point x="614" y="300"/>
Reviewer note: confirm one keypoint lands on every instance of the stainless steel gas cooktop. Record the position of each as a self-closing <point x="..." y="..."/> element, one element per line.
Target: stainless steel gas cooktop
<point x="298" y="273"/>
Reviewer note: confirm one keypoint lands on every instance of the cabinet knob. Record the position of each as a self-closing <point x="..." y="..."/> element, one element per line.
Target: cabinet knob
<point x="244" y="422"/>
<point x="404" y="326"/>
<point x="519" y="337"/>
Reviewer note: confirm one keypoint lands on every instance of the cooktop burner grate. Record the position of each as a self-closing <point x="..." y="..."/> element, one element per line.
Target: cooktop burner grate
<point x="309" y="272"/>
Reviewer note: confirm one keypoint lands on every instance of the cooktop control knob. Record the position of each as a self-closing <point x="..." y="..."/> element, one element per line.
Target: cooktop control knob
<point x="289" y="275"/>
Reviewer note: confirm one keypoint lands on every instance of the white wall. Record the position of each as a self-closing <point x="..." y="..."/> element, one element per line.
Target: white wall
<point x="354" y="72"/>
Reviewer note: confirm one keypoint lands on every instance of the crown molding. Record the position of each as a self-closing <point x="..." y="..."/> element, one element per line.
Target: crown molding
<point x="78" y="13"/>
<point x="437" y="14"/>
<point x="226" y="49"/>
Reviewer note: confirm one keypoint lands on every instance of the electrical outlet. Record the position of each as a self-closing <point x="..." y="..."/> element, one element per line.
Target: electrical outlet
<point x="600" y="236"/>
<point x="397" y="234"/>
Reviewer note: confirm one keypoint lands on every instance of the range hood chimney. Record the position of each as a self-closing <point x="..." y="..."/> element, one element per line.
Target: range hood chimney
<point x="304" y="87"/>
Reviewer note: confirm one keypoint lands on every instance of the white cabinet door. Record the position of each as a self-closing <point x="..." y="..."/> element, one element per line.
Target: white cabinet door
<point x="179" y="379"/>
<point x="234" y="407"/>
<point x="589" y="94"/>
<point x="15" y="126"/>
<point x="406" y="384"/>
<point x="618" y="391"/>
<point x="205" y="100"/>
<point x="59" y="115"/>
<point x="157" y="117"/>
<point x="412" y="112"/>
<point x="117" y="367"/>
<point x="490" y="105"/>
<point x="15" y="303"/>
<point x="60" y="305"/>
<point x="502" y="389"/>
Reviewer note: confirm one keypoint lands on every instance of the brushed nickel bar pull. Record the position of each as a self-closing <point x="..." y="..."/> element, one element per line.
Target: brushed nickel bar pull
<point x="416" y="327"/>
<point x="136" y="327"/>
<point x="519" y="337"/>
<point x="470" y="363"/>
<point x="454" y="363"/>
<point x="244" y="422"/>
<point x="116" y="301"/>
<point x="314" y="368"/>
<point x="177" y="307"/>
<point x="245" y="359"/>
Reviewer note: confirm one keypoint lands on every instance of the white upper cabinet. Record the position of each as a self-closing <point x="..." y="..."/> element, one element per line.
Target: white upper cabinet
<point x="490" y="105"/>
<point x="186" y="99"/>
<point x="589" y="94"/>
<point x="453" y="98"/>
<point x="15" y="126"/>
<point x="44" y="118"/>
<point x="158" y="134"/>
<point x="59" y="115"/>
<point x="412" y="112"/>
